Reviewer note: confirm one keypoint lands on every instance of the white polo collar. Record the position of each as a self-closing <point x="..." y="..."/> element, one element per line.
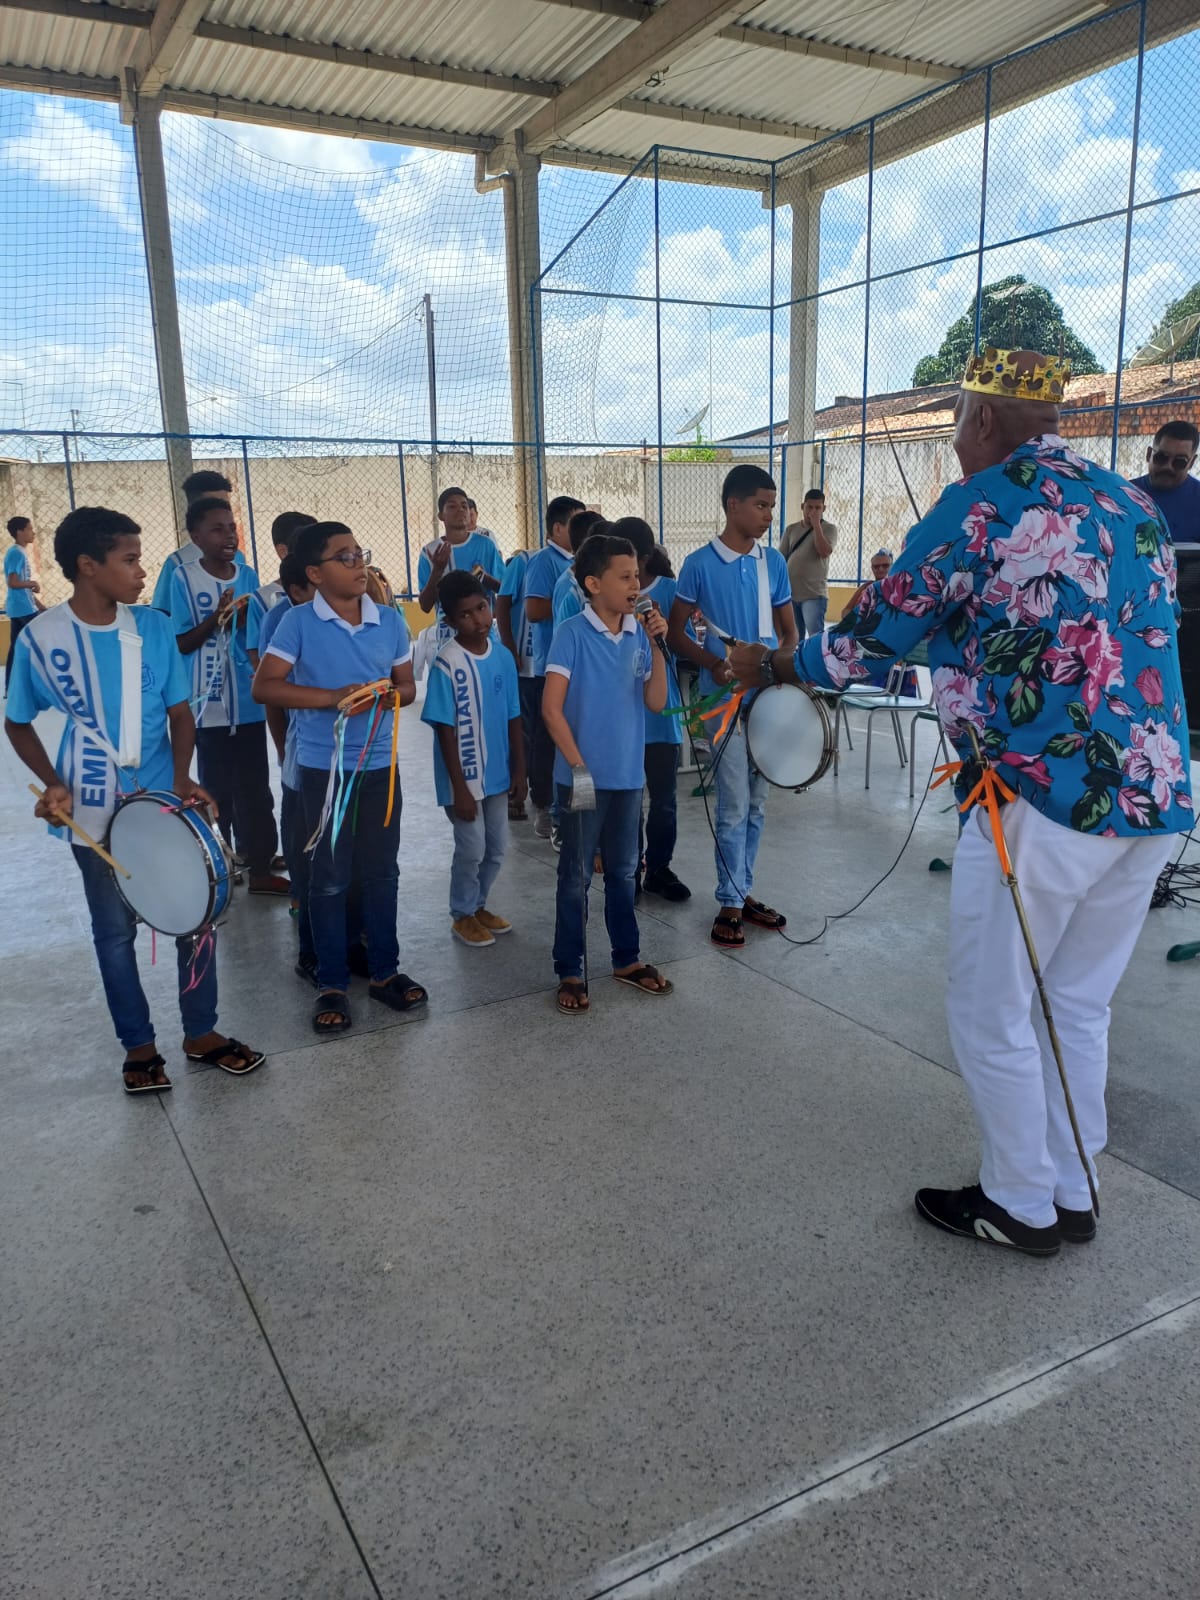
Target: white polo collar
<point x="628" y="625"/>
<point x="758" y="553"/>
<point x="322" y="608"/>
<point x="566" y="555"/>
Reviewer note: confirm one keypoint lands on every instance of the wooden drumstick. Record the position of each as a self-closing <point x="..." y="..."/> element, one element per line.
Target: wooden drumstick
<point x="69" y="822"/>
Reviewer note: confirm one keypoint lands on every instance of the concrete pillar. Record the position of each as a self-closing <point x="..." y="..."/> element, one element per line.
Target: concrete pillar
<point x="803" y="465"/>
<point x="164" y="308"/>
<point x="526" y="257"/>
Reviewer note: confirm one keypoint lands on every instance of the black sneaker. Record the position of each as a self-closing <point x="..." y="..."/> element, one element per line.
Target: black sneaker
<point x="664" y="882"/>
<point x="1076" y="1227"/>
<point x="970" y="1214"/>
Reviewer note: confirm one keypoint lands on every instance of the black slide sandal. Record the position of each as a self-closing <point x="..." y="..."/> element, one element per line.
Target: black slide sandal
<point x="331" y="1001"/>
<point x="394" y="993"/>
<point x="232" y="1047"/>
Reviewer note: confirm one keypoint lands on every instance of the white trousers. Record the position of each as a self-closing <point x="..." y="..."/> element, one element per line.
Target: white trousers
<point x="1085" y="899"/>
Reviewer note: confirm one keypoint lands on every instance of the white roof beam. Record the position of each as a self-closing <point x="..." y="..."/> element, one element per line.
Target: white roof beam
<point x="792" y="44"/>
<point x="399" y="66"/>
<point x="672" y="28"/>
<point x="690" y="116"/>
<point x="221" y="106"/>
<point x="726" y="177"/>
<point x="158" y="52"/>
<point x="838" y="55"/>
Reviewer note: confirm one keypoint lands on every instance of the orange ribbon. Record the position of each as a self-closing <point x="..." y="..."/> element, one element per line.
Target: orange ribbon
<point x="987" y="792"/>
<point x="727" y="713"/>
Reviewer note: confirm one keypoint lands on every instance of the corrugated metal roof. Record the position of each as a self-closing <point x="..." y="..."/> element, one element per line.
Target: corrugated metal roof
<point x="551" y="43"/>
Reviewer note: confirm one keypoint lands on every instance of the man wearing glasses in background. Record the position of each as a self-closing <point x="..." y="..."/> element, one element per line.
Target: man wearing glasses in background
<point x="1168" y="480"/>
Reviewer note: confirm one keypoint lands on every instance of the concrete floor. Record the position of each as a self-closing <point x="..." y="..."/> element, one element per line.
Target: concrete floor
<point x="488" y="1302"/>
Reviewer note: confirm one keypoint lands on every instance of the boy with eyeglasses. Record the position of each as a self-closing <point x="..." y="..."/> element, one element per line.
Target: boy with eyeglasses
<point x="317" y="655"/>
<point x="1169" y="482"/>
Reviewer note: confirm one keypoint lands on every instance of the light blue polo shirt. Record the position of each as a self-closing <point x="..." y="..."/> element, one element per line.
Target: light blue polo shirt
<point x="513" y="588"/>
<point x="195" y="595"/>
<point x="455" y="689"/>
<point x="605" y="706"/>
<point x="545" y="569"/>
<point x="17" y="602"/>
<point x="724" y="584"/>
<point x="661" y="729"/>
<point x="289" y="772"/>
<point x="165" y="683"/>
<point x="477" y="550"/>
<point x="568" y="597"/>
<point x="325" y="652"/>
<point x="186" y="554"/>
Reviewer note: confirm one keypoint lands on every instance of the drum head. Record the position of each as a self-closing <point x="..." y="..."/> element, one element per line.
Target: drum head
<point x="788" y="736"/>
<point x="169" y="884"/>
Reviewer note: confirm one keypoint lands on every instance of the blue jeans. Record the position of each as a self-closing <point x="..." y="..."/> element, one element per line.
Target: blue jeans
<point x="365" y="853"/>
<point x="662" y="766"/>
<point x="741" y="814"/>
<point x="114" y="931"/>
<point x="613" y="829"/>
<point x="479" y="848"/>
<point x="810" y="616"/>
<point x="295" y="837"/>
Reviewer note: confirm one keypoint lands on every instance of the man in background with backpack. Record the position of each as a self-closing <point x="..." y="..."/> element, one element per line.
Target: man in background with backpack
<point x="806" y="546"/>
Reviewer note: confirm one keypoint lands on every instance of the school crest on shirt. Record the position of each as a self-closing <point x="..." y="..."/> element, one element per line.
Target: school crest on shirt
<point x="147" y="677"/>
<point x="641" y="663"/>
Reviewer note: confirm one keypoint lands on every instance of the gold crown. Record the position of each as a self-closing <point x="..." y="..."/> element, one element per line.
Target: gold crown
<point x="1017" y="375"/>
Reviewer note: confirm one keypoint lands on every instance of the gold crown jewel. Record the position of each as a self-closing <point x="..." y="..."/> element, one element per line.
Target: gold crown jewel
<point x="1017" y="375"/>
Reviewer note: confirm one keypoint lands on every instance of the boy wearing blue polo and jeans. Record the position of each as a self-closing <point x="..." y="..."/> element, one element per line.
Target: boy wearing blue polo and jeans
<point x="602" y="673"/>
<point x="478" y="753"/>
<point x="318" y="653"/>
<point x="741" y="587"/>
<point x="545" y="569"/>
<point x="20" y="587"/>
<point x="110" y="666"/>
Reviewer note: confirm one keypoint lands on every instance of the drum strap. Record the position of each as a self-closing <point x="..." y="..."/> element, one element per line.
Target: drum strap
<point x="463" y="672"/>
<point x="66" y="661"/>
<point x="766" y="621"/>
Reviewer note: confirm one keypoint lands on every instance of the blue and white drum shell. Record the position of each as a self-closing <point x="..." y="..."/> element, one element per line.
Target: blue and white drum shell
<point x="789" y="736"/>
<point x="180" y="873"/>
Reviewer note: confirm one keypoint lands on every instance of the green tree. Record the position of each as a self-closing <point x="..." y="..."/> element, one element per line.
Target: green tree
<point x="1185" y="306"/>
<point x="1016" y="315"/>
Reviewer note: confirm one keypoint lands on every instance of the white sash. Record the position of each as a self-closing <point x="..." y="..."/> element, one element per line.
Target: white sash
<point x="65" y="659"/>
<point x="766" y="621"/>
<point x="462" y="668"/>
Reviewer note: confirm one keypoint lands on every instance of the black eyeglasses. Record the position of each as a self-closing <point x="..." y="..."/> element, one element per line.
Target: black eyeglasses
<point x="1160" y="458"/>
<point x="349" y="558"/>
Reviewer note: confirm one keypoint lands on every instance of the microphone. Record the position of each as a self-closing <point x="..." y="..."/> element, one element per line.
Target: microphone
<point x="642" y="610"/>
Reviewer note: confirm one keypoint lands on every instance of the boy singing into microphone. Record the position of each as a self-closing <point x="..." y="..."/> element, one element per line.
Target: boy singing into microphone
<point x="602" y="671"/>
<point x="474" y="709"/>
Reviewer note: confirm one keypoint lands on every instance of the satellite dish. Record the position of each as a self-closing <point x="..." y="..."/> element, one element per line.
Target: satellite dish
<point x="694" y="422"/>
<point x="1167" y="343"/>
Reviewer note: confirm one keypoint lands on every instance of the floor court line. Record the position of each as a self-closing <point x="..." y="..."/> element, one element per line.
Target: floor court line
<point x="655" y="1569"/>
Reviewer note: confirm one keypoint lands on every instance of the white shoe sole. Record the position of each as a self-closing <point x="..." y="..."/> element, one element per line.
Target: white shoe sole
<point x="473" y="944"/>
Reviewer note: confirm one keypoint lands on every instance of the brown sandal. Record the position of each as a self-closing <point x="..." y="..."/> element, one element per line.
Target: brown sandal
<point x="764" y="916"/>
<point x="577" y="988"/>
<point x="735" y="936"/>
<point x="637" y="980"/>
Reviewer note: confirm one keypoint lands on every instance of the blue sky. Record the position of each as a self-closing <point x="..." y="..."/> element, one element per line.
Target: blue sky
<point x="302" y="260"/>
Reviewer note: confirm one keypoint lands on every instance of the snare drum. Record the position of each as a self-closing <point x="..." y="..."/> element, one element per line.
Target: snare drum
<point x="180" y="873"/>
<point x="789" y="736"/>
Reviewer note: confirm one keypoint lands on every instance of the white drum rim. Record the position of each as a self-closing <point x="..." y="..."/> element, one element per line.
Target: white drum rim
<point x="198" y="845"/>
<point x="823" y="764"/>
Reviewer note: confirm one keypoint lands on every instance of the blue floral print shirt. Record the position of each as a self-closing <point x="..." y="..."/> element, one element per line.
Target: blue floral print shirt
<point x="1046" y="588"/>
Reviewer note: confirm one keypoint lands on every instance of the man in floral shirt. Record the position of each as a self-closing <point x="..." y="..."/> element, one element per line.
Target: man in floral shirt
<point x="1045" y="586"/>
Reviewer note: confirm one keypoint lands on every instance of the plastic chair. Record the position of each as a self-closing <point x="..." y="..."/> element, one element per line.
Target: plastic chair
<point x="888" y="702"/>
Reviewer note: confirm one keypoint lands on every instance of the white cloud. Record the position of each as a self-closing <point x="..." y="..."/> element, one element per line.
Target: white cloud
<point x="62" y="148"/>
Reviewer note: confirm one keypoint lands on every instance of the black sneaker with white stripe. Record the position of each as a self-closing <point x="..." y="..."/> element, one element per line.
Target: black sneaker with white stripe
<point x="970" y="1214"/>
